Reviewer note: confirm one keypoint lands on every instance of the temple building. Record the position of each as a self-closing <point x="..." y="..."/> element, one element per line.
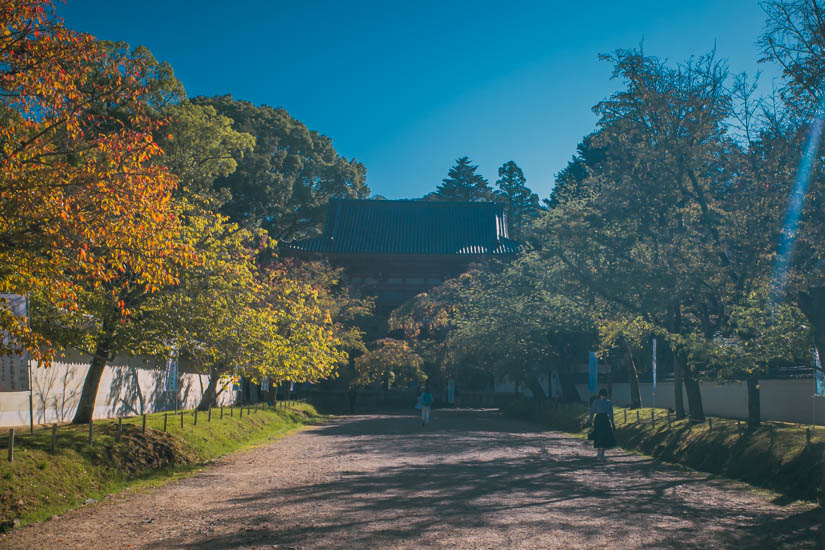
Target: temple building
<point x="394" y="250"/>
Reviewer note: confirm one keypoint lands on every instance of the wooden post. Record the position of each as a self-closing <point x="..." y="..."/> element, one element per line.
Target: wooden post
<point x="165" y="419"/>
<point x="739" y="427"/>
<point x="209" y="414"/>
<point x="231" y="409"/>
<point x="11" y="444"/>
<point x="652" y="419"/>
<point x="710" y="424"/>
<point x="181" y="419"/>
<point x="637" y="415"/>
<point x="221" y="412"/>
<point x="54" y="438"/>
<point x="195" y="422"/>
<point x="119" y="428"/>
<point x="807" y="438"/>
<point x="241" y="411"/>
<point x="625" y="416"/>
<point x="143" y="423"/>
<point x="91" y="431"/>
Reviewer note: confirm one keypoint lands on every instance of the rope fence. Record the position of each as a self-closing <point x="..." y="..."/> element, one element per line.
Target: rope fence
<point x="660" y="420"/>
<point x="159" y="421"/>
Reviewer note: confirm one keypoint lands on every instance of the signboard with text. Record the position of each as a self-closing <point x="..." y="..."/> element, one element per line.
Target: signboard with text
<point x="14" y="368"/>
<point x="172" y="374"/>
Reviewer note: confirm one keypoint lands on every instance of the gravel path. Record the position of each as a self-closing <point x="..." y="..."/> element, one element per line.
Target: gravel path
<point x="472" y="479"/>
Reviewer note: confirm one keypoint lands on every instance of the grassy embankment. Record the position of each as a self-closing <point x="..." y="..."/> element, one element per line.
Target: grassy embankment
<point x="774" y="456"/>
<point x="39" y="484"/>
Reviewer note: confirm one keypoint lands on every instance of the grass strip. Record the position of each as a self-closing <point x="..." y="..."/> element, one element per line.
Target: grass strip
<point x="39" y="484"/>
<point x="774" y="456"/>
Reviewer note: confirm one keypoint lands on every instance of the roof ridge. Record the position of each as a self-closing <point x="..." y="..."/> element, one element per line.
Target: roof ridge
<point x="414" y="201"/>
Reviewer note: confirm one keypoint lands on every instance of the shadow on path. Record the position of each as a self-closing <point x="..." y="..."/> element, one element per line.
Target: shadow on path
<point x="398" y="483"/>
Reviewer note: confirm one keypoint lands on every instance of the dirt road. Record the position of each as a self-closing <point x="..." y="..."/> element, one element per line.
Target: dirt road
<point x="472" y="479"/>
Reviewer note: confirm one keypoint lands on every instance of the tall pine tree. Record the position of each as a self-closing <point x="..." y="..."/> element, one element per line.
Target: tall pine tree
<point x="463" y="184"/>
<point x="520" y="204"/>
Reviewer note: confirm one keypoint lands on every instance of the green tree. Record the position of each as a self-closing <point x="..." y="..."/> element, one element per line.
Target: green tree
<point x="629" y="334"/>
<point x="795" y="39"/>
<point x="521" y="205"/>
<point x="285" y="183"/>
<point x="390" y="363"/>
<point x="200" y="146"/>
<point x="426" y="320"/>
<point x="516" y="325"/>
<point x="351" y="315"/>
<point x="462" y="184"/>
<point x="573" y="181"/>
<point x="759" y="333"/>
<point x="646" y="231"/>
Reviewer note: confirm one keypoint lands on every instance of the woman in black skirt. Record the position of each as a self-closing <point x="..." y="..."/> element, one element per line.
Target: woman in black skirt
<point x="601" y="418"/>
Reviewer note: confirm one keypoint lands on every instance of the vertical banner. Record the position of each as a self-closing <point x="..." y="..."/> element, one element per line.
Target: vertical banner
<point x="172" y="373"/>
<point x="555" y="385"/>
<point x="593" y="373"/>
<point x="654" y="363"/>
<point x="819" y="376"/>
<point x="14" y="368"/>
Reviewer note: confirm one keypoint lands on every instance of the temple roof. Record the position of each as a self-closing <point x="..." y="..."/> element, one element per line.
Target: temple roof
<point x="411" y="227"/>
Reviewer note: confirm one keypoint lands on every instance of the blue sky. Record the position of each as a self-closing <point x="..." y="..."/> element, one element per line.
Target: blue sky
<point x="408" y="87"/>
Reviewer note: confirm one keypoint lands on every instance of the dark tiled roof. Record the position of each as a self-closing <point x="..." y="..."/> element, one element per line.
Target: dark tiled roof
<point x="411" y="227"/>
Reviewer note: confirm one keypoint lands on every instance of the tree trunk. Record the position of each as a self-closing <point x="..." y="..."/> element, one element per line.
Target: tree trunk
<point x="675" y="323"/>
<point x="569" y="393"/>
<point x="754" y="408"/>
<point x="86" y="405"/>
<point x="536" y="389"/>
<point x="210" y="395"/>
<point x="635" y="393"/>
<point x="694" y="395"/>
<point x="678" y="399"/>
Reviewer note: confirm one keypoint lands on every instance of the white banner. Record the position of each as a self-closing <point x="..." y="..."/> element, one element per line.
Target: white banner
<point x="14" y="369"/>
<point x="172" y="373"/>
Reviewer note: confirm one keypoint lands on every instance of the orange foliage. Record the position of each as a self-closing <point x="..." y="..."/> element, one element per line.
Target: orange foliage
<point x="81" y="199"/>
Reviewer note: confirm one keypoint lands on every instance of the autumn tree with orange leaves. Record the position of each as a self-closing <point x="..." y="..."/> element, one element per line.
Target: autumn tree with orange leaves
<point x="83" y="204"/>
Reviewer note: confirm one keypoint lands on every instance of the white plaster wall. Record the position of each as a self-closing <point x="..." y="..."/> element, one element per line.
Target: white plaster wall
<point x="507" y="386"/>
<point x="781" y="400"/>
<point x="129" y="386"/>
<point x="791" y="401"/>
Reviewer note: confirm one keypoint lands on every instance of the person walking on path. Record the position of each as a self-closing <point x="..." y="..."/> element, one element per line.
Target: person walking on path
<point x="601" y="419"/>
<point x="426" y="404"/>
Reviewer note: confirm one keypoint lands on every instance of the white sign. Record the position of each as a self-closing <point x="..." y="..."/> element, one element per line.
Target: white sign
<point x="172" y="373"/>
<point x="14" y="369"/>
